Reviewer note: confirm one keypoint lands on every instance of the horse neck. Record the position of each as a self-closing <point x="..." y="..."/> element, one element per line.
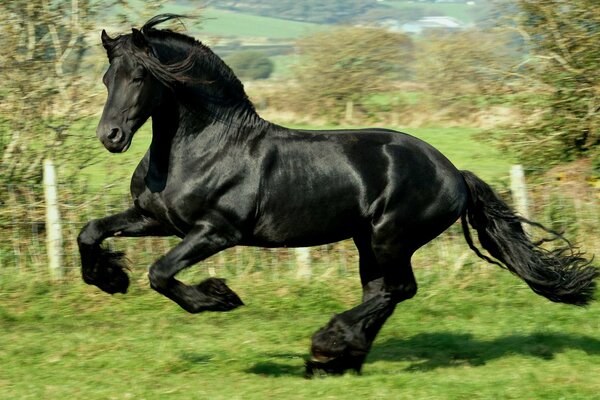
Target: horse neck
<point x="210" y="95"/>
<point x="165" y="124"/>
<point x="175" y="120"/>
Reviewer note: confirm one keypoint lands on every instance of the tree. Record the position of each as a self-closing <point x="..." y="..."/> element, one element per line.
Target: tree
<point x="43" y="47"/>
<point x="49" y="96"/>
<point x="49" y="83"/>
<point x="560" y="40"/>
<point x="464" y="69"/>
<point x="347" y="64"/>
<point x="250" y="64"/>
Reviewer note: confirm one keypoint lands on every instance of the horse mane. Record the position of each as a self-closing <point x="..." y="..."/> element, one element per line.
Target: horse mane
<point x="200" y="71"/>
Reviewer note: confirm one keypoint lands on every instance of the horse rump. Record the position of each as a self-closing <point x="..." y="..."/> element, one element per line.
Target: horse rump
<point x="562" y="274"/>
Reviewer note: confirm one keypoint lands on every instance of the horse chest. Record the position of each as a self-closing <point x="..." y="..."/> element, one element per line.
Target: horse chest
<point x="160" y="207"/>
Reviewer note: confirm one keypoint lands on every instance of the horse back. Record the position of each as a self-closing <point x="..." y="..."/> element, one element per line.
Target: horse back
<point x="322" y="186"/>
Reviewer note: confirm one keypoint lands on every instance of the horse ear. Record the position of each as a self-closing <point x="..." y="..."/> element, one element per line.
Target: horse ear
<point x="106" y="40"/>
<point x="138" y="38"/>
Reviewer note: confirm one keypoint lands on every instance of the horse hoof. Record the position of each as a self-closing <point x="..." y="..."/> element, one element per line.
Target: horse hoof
<point x="108" y="273"/>
<point x="224" y="298"/>
<point x="320" y="369"/>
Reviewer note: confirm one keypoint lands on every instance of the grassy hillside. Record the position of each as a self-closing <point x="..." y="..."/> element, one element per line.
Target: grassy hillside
<point x="214" y="22"/>
<point x="226" y="23"/>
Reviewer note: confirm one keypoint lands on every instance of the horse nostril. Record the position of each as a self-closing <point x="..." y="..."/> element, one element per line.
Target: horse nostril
<point x="114" y="135"/>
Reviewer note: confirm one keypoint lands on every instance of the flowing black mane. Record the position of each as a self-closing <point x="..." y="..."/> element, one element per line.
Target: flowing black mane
<point x="181" y="62"/>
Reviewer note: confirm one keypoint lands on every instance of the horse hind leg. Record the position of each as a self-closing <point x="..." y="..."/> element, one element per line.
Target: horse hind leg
<point x="344" y="343"/>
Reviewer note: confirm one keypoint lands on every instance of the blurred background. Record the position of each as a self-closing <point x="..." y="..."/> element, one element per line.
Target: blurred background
<point x="508" y="89"/>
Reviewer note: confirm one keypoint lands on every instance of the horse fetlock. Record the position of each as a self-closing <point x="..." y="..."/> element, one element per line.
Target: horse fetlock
<point x="337" y="347"/>
<point x="403" y="292"/>
<point x="217" y="292"/>
<point x="89" y="235"/>
<point x="209" y="295"/>
<point x="158" y="281"/>
<point x="350" y="360"/>
<point x="106" y="270"/>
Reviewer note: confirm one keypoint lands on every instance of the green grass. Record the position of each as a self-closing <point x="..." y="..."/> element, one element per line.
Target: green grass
<point x="476" y="333"/>
<point x="232" y="24"/>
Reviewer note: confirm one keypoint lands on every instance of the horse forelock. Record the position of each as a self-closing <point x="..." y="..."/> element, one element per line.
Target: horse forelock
<point x="114" y="48"/>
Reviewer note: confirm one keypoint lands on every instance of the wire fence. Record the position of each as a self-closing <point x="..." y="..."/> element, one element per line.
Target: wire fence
<point x="571" y="208"/>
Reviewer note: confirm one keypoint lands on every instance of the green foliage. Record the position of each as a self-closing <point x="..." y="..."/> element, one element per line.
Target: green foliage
<point x="250" y="64"/>
<point x="561" y="214"/>
<point x="560" y="40"/>
<point x="465" y="70"/>
<point x="46" y="87"/>
<point x="348" y="64"/>
<point x="43" y="47"/>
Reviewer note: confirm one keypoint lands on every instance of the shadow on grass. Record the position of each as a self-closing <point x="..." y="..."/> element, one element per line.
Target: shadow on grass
<point x="291" y="364"/>
<point x="430" y="351"/>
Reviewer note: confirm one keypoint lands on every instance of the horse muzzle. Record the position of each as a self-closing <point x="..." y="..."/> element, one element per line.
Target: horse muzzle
<point x="114" y="139"/>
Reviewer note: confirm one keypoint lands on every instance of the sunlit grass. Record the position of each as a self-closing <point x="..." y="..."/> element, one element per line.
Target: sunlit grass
<point x="475" y="333"/>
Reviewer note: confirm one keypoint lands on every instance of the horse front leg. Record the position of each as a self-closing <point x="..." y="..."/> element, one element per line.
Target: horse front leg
<point x="102" y="267"/>
<point x="206" y="239"/>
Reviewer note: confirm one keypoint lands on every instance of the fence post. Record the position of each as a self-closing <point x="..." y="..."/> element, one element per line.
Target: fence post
<point x="303" y="262"/>
<point x="54" y="241"/>
<point x="349" y="114"/>
<point x="518" y="189"/>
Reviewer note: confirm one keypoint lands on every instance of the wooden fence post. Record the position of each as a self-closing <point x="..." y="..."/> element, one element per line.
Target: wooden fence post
<point x="54" y="240"/>
<point x="518" y="189"/>
<point x="349" y="114"/>
<point x="303" y="262"/>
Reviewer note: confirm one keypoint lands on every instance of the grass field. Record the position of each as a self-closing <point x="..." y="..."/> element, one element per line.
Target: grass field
<point x="231" y="24"/>
<point x="226" y="23"/>
<point x="461" y="11"/>
<point x="477" y="333"/>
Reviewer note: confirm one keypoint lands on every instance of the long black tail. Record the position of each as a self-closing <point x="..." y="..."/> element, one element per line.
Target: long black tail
<point x="562" y="275"/>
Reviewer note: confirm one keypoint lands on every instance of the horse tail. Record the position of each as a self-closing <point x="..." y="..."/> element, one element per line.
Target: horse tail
<point x="561" y="275"/>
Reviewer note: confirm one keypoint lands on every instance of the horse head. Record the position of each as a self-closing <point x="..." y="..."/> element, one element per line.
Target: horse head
<point x="133" y="92"/>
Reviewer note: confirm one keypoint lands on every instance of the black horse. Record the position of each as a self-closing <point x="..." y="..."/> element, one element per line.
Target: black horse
<point x="217" y="176"/>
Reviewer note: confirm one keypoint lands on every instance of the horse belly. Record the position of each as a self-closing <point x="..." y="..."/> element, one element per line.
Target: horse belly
<point x="306" y="227"/>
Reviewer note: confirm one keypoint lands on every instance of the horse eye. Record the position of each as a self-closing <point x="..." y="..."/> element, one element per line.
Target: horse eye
<point x="138" y="79"/>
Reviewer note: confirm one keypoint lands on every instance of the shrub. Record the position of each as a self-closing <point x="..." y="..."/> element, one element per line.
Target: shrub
<point x="250" y="64"/>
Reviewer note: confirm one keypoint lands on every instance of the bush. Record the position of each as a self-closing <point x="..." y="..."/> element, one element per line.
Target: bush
<point x="348" y="64"/>
<point x="250" y="64"/>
